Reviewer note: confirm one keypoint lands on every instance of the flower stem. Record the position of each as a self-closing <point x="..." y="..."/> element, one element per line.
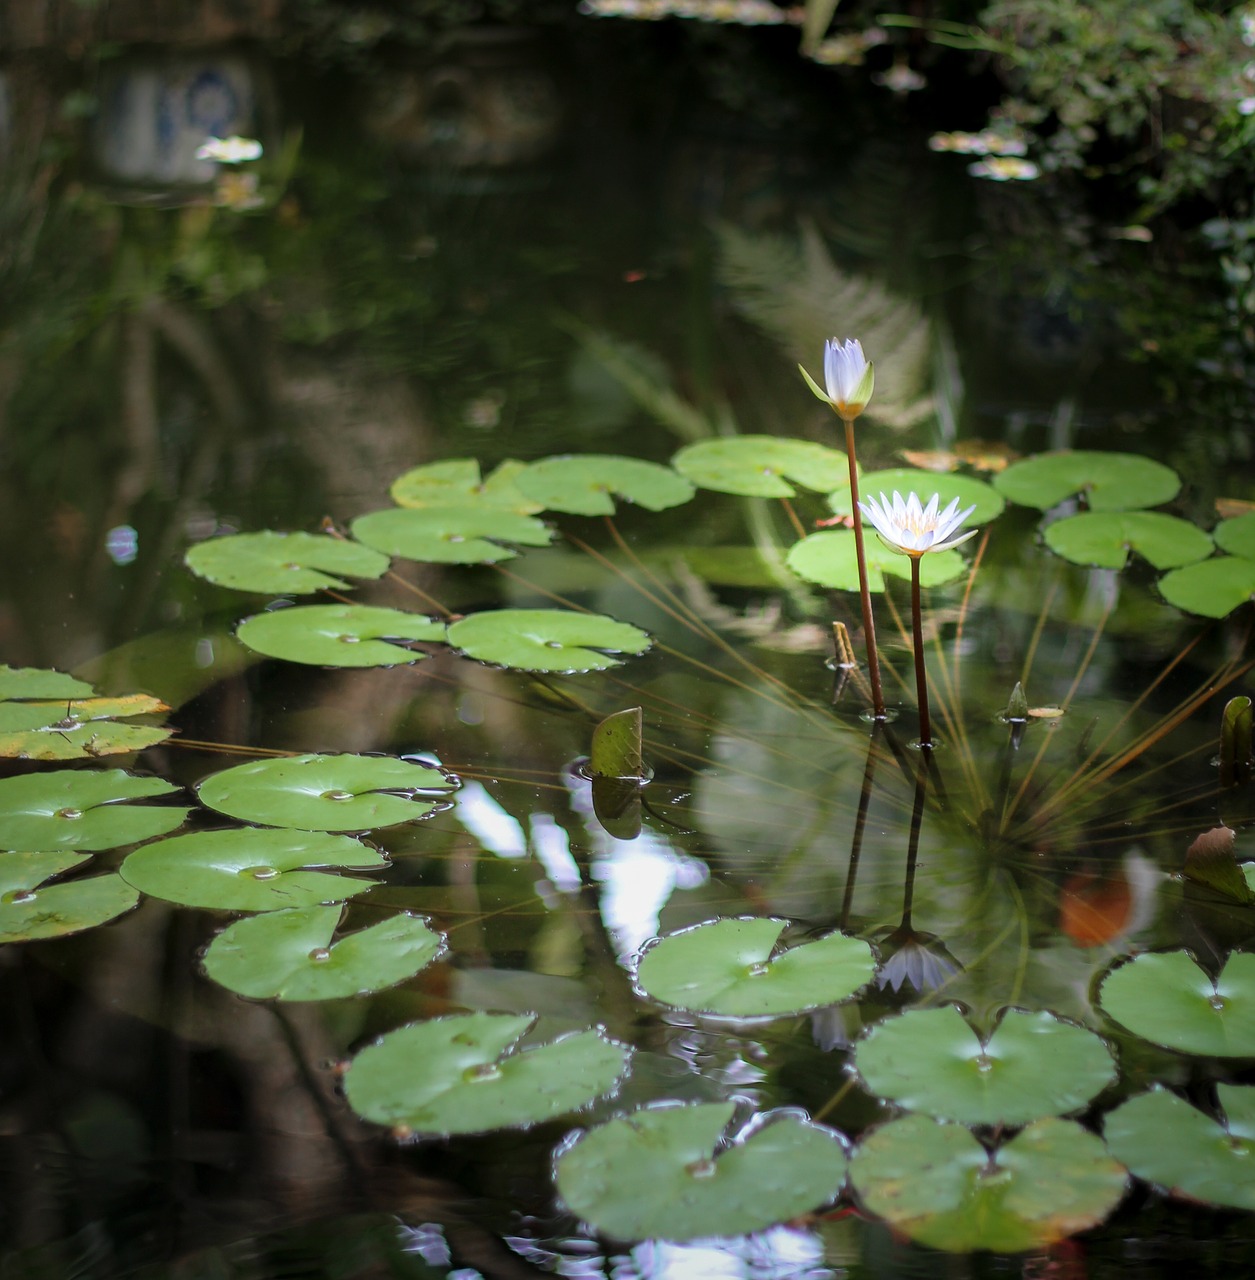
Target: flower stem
<point x="921" y="679"/>
<point x="869" y="625"/>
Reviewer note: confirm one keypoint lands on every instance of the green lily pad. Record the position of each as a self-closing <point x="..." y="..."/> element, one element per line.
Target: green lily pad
<point x="339" y="635"/>
<point x="327" y="792"/>
<point x="283" y="563"/>
<point x="1109" y="481"/>
<point x="934" y="1182"/>
<point x="1212" y="588"/>
<point x="989" y="503"/>
<point x="616" y="746"/>
<point x="1032" y="1065"/>
<point x="1105" y="538"/>
<point x="289" y="955"/>
<point x="557" y="640"/>
<point x="456" y="482"/>
<point x="30" y="909"/>
<point x="761" y="466"/>
<point x="466" y="1074"/>
<point x="83" y="809"/>
<point x="451" y="535"/>
<point x="828" y="558"/>
<point x="40" y="682"/>
<point x="1237" y="536"/>
<point x="667" y="1172"/>
<point x="727" y="968"/>
<point x="582" y="483"/>
<point x="76" y="730"/>
<point x="1165" y="998"/>
<point x="1174" y="1145"/>
<point x="247" y="869"/>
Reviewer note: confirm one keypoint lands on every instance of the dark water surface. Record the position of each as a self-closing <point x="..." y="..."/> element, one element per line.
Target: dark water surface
<point x="609" y="239"/>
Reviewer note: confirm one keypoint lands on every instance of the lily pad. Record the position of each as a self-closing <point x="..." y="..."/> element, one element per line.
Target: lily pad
<point x="340" y="635"/>
<point x="546" y="639"/>
<point x="1032" y="1065"/>
<point x="989" y="503"/>
<point x="730" y="968"/>
<point x="1174" y="1145"/>
<point x="935" y="1183"/>
<point x="247" y="869"/>
<point x="456" y="482"/>
<point x="1165" y="998"/>
<point x="829" y="559"/>
<point x="283" y="563"/>
<point x="670" y="1172"/>
<point x="1237" y="535"/>
<point x="83" y="809"/>
<point x="327" y="792"/>
<point x="76" y="730"/>
<point x="289" y="955"/>
<point x="451" y="535"/>
<point x="761" y="466"/>
<point x="1105" y="538"/>
<point x="582" y="483"/>
<point x="1212" y="588"/>
<point x="30" y="909"/>
<point x="40" y="682"/>
<point x="1109" y="481"/>
<point x="467" y="1074"/>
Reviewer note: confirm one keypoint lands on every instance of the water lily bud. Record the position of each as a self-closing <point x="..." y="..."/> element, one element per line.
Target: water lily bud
<point x="848" y="376"/>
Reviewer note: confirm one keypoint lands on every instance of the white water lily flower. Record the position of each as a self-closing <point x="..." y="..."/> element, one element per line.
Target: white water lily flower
<point x="229" y="150"/>
<point x="912" y="530"/>
<point x="848" y="377"/>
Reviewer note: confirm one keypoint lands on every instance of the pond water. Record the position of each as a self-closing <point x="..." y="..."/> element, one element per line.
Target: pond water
<point x="981" y="1009"/>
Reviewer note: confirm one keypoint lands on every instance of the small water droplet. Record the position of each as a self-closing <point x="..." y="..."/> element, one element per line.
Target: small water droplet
<point x="701" y="1169"/>
<point x="553" y="644"/>
<point x="347" y="639"/>
<point x="291" y="564"/>
<point x="758" y="969"/>
<point x="319" y="954"/>
<point x="1217" y="1002"/>
<point x="483" y="1071"/>
<point x="18" y="896"/>
<point x="337" y="795"/>
<point x="69" y="814"/>
<point x="984" y="1062"/>
<point x="260" y="873"/>
<point x="1239" y="1147"/>
<point x="455" y="537"/>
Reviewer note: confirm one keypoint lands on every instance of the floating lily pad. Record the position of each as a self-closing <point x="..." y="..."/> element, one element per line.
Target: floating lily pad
<point x="582" y="483"/>
<point x="730" y="968"/>
<point x="1032" y="1065"/>
<point x="1174" y="1145"/>
<point x="451" y="535"/>
<point x="616" y="746"/>
<point x="1105" y="538"/>
<point x="761" y="466"/>
<point x="75" y="730"/>
<point x="40" y="682"/>
<point x="289" y="955"/>
<point x="30" y="909"/>
<point x="247" y="869"/>
<point x="935" y="1183"/>
<point x="466" y="1074"/>
<point x="327" y="792"/>
<point x="546" y="639"/>
<point x="83" y="809"/>
<point x="1237" y="535"/>
<point x="667" y="1172"/>
<point x="1109" y="481"/>
<point x="339" y="635"/>
<point x="456" y="482"/>
<point x="1165" y="998"/>
<point x="989" y="503"/>
<point x="1212" y="588"/>
<point x="829" y="559"/>
<point x="283" y="563"/>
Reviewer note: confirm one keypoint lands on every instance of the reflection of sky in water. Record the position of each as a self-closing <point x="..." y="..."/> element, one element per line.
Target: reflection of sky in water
<point x="637" y="877"/>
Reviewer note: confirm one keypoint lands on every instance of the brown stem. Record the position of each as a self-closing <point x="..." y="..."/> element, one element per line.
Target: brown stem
<point x="869" y="626"/>
<point x="921" y="680"/>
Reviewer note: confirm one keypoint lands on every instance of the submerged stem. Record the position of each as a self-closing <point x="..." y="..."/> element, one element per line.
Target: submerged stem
<point x="921" y="678"/>
<point x="869" y="625"/>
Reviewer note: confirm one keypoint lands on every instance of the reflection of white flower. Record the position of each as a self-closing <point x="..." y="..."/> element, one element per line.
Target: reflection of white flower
<point x="229" y="150"/>
<point x="912" y="530"/>
<point x="1004" y="169"/>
